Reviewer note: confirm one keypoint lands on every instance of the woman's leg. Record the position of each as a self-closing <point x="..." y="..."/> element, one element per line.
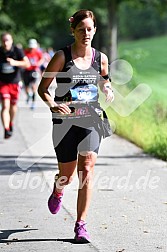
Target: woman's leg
<point x="66" y="174"/>
<point x="85" y="169"/>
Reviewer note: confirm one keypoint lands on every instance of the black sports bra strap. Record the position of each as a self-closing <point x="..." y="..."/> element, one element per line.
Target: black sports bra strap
<point x="67" y="53"/>
<point x="97" y="61"/>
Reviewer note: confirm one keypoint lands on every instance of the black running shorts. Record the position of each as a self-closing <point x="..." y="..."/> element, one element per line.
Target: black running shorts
<point x="30" y="77"/>
<point x="73" y="136"/>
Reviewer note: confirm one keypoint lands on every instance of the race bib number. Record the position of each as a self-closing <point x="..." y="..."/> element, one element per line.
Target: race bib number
<point x="7" y="68"/>
<point x="87" y="93"/>
<point x="33" y="61"/>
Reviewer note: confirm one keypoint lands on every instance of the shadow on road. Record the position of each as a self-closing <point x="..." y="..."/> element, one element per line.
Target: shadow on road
<point x="4" y="235"/>
<point x="8" y="164"/>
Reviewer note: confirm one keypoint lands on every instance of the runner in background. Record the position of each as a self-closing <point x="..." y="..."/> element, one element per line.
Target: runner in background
<point x="32" y="74"/>
<point x="12" y="59"/>
<point x="46" y="59"/>
<point x="51" y="52"/>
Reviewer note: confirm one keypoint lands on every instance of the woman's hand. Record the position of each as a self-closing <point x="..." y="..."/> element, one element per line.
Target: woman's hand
<point x="61" y="108"/>
<point x="107" y="90"/>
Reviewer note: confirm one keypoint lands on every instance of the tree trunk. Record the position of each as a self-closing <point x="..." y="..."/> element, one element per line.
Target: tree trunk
<point x="112" y="29"/>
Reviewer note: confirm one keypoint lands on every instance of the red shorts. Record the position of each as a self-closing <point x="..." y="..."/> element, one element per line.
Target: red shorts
<point x="10" y="91"/>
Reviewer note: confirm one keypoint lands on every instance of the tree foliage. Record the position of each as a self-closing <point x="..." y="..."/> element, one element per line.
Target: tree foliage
<point x="47" y="21"/>
<point x="145" y="21"/>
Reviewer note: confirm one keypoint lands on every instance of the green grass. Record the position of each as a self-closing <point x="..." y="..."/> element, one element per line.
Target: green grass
<point x="147" y="125"/>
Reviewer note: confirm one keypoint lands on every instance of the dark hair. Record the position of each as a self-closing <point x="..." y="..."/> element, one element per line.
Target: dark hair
<point x="80" y="15"/>
<point x="5" y="33"/>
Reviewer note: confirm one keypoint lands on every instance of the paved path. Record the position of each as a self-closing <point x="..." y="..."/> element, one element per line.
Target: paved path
<point x="129" y="206"/>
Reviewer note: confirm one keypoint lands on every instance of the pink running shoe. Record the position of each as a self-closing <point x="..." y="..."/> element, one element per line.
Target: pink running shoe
<point x="81" y="234"/>
<point x="55" y="199"/>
